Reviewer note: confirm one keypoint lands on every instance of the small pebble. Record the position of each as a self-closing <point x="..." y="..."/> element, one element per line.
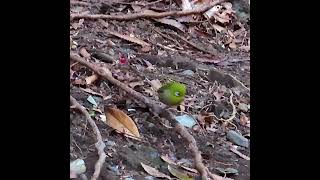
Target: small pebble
<point x="243" y="107"/>
<point x="186" y="120"/>
<point x="188" y="72"/>
<point x="151" y="125"/>
<point x="149" y="178"/>
<point x="129" y="178"/>
<point x="115" y="169"/>
<point x="110" y="143"/>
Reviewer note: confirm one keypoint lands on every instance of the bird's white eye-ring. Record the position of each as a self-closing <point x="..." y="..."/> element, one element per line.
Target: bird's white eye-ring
<point x="177" y="93"/>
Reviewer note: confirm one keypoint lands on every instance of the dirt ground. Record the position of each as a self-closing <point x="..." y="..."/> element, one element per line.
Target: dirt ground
<point x="210" y="80"/>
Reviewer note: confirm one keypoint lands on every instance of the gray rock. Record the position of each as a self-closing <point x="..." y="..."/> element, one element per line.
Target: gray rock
<point x="237" y="139"/>
<point x="243" y="107"/>
<point x="110" y="143"/>
<point x="149" y="178"/>
<point x="188" y="72"/>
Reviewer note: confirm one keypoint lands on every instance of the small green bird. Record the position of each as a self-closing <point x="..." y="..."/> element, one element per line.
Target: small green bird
<point x="172" y="93"/>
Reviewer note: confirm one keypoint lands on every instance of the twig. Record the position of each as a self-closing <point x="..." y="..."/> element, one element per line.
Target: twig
<point x="217" y="177"/>
<point x="79" y="3"/>
<point x="193" y="44"/>
<point x="145" y="14"/>
<point x="168" y="37"/>
<point x="165" y="47"/>
<point x="233" y="115"/>
<point x="155" y="107"/>
<point x="125" y="37"/>
<point x="205" y="106"/>
<point x="235" y="79"/>
<point x="99" y="144"/>
<point x="154" y="2"/>
<point x="139" y="4"/>
<point x="239" y="153"/>
<point x="75" y="143"/>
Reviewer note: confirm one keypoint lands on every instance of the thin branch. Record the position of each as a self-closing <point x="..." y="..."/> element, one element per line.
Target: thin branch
<point x="239" y="153"/>
<point x="194" y="149"/>
<point x="217" y="177"/>
<point x="79" y="3"/>
<point x="139" y="4"/>
<point x="240" y="83"/>
<point x="193" y="44"/>
<point x="145" y="14"/>
<point x="168" y="37"/>
<point x="155" y="107"/>
<point x="99" y="144"/>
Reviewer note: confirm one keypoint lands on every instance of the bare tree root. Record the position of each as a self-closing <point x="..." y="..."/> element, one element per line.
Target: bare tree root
<point x="156" y="107"/>
<point x="99" y="144"/>
<point x="145" y="14"/>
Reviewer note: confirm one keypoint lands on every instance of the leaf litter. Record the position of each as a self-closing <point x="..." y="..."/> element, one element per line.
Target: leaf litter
<point x="224" y="31"/>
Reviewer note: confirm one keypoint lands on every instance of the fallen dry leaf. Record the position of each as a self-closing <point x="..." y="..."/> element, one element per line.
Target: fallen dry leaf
<point x="233" y="45"/>
<point x="145" y="49"/>
<point x="221" y="18"/>
<point x="90" y="91"/>
<point x="179" y="173"/>
<point x="243" y="119"/>
<point x="211" y="12"/>
<point x="120" y="121"/>
<point x="91" y="79"/>
<point x="205" y="118"/>
<point x="154" y="172"/>
<point x="218" y="28"/>
<point x="78" y="24"/>
<point x="155" y="84"/>
<point x="84" y="53"/>
<point x="173" y="23"/>
<point x="128" y="38"/>
<point x="167" y="159"/>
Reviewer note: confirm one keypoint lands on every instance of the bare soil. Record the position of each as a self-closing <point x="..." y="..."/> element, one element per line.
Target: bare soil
<point x="125" y="154"/>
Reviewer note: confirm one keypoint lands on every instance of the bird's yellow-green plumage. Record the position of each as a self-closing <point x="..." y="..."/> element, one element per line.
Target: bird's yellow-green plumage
<point x="172" y="93"/>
